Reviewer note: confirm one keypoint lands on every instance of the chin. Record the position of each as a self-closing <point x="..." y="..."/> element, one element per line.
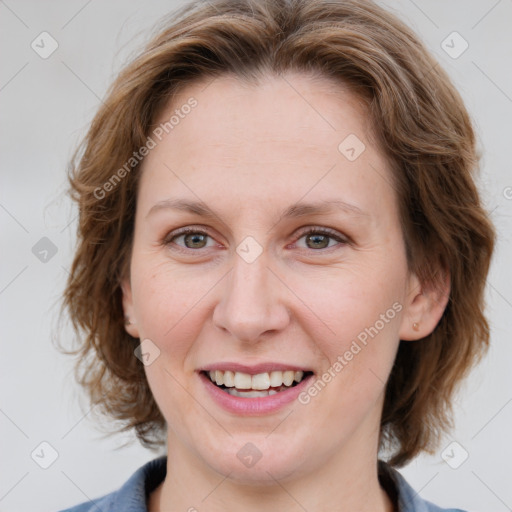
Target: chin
<point x="256" y="462"/>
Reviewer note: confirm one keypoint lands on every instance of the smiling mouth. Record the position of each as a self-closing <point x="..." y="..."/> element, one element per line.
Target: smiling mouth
<point x="245" y="385"/>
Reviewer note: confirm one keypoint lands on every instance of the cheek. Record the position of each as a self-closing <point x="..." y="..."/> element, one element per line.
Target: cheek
<point x="165" y="299"/>
<point x="358" y="303"/>
<point x="364" y="310"/>
<point x="358" y="357"/>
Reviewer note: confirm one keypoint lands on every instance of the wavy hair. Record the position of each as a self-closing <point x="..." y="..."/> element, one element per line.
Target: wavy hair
<point x="420" y="124"/>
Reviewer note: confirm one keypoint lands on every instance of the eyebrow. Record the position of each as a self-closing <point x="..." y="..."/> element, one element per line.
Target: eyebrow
<point x="296" y="210"/>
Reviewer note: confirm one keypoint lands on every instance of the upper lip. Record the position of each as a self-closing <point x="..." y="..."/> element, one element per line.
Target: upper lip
<point x="253" y="369"/>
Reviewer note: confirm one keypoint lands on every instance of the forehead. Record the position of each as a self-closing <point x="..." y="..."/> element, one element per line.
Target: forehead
<point x="284" y="137"/>
<point x="285" y="109"/>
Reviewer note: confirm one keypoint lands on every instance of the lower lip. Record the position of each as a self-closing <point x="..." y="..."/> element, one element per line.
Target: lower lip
<point x="256" y="405"/>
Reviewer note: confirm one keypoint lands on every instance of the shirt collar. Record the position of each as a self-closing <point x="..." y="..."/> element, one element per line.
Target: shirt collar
<point x="132" y="496"/>
<point x="400" y="492"/>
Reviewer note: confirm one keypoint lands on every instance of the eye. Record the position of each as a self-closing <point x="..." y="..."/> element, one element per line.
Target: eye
<point x="318" y="238"/>
<point x="193" y="238"/>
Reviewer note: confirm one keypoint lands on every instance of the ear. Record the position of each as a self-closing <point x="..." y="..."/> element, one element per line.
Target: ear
<point x="130" y="320"/>
<point x="425" y="305"/>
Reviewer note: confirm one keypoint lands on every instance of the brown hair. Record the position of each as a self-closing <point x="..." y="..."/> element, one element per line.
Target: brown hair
<point x="421" y="126"/>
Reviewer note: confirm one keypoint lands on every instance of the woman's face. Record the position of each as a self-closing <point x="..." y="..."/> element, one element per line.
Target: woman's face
<point x="249" y="287"/>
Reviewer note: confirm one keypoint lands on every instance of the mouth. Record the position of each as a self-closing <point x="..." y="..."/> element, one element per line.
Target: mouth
<point x="246" y="385"/>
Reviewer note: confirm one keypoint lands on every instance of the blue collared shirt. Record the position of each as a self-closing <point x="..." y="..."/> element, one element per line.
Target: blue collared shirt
<point x="132" y="496"/>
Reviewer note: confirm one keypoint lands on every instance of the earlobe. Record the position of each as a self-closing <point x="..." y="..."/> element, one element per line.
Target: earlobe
<point x="130" y="323"/>
<point x="425" y="305"/>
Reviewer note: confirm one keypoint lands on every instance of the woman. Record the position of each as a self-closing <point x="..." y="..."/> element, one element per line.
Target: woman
<point x="282" y="258"/>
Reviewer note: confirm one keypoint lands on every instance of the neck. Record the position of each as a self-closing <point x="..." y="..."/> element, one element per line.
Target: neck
<point x="191" y="485"/>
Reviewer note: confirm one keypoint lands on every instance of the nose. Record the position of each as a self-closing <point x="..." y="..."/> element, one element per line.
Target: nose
<point x="252" y="304"/>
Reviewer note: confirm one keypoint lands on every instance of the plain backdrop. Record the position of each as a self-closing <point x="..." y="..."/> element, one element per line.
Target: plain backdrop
<point x="46" y="105"/>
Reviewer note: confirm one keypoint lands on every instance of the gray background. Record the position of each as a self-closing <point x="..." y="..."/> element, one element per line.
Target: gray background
<point x="46" y="105"/>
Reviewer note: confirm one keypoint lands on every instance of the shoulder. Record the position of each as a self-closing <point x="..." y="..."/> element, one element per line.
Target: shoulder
<point x="408" y="499"/>
<point x="103" y="503"/>
<point x="131" y="497"/>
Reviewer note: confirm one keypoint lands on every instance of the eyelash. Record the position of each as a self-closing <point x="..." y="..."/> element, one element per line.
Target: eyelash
<point x="316" y="230"/>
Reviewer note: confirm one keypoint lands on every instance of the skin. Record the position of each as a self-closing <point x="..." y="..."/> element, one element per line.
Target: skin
<point x="248" y="152"/>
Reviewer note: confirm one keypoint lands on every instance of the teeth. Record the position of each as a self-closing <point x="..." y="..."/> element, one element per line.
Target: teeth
<point x="229" y="379"/>
<point x="243" y="381"/>
<point x="276" y="379"/>
<point x="259" y="382"/>
<point x="250" y="394"/>
<point x="288" y="377"/>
